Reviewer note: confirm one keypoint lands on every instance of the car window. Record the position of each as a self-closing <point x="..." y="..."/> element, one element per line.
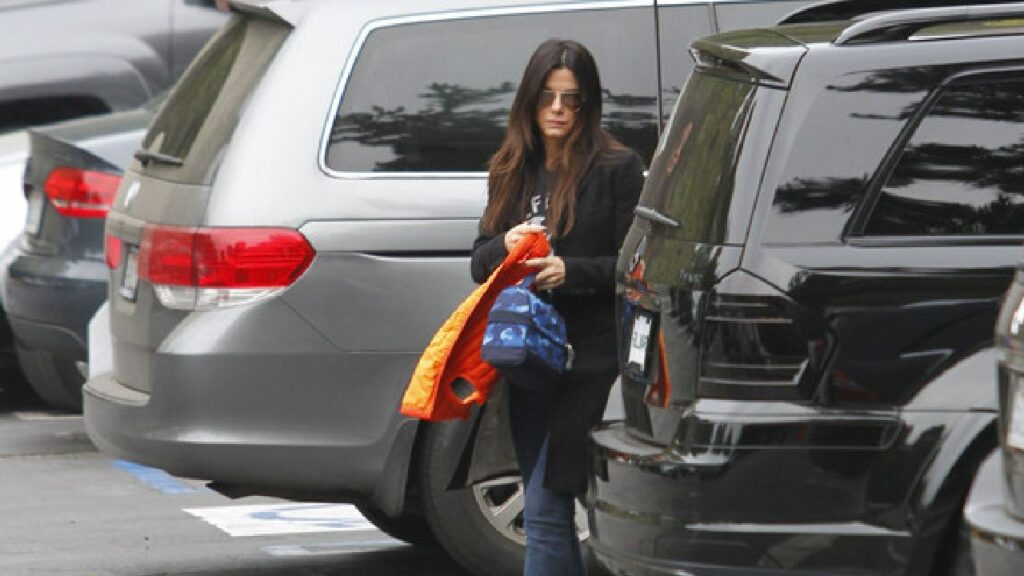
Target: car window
<point x="199" y="117"/>
<point x="695" y="174"/>
<point x="435" y="96"/>
<point x="960" y="173"/>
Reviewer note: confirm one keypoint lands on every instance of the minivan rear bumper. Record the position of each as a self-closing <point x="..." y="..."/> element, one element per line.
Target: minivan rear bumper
<point x="235" y="421"/>
<point x="656" y="512"/>
<point x="997" y="539"/>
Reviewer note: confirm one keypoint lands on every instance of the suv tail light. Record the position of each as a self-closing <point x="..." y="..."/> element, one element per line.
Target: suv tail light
<point x="758" y="345"/>
<point x="77" y="193"/>
<point x="204" y="268"/>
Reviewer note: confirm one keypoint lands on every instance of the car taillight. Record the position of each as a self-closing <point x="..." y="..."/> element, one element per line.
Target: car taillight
<point x="202" y="268"/>
<point x="78" y="193"/>
<point x="757" y="344"/>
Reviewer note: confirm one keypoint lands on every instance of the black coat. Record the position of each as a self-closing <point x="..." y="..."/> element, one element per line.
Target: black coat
<point x="604" y="212"/>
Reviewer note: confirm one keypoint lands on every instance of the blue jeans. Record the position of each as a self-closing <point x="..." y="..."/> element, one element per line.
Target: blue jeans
<point x="552" y="546"/>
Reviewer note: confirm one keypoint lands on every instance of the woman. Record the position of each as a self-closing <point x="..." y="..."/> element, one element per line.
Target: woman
<point x="559" y="172"/>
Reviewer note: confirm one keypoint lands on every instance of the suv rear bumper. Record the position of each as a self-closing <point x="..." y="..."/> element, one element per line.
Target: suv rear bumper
<point x="997" y="539"/>
<point x="652" y="512"/>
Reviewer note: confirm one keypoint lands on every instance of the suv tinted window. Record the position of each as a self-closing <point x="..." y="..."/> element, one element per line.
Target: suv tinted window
<point x="435" y="96"/>
<point x="694" y="177"/>
<point x="220" y="79"/>
<point x="962" y="172"/>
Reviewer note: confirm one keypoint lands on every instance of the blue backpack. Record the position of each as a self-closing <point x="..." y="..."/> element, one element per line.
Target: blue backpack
<point x="525" y="338"/>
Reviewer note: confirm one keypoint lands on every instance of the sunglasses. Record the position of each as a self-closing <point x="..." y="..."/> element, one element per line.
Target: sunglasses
<point x="570" y="100"/>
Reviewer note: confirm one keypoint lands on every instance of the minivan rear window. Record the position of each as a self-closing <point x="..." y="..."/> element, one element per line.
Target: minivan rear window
<point x="202" y="111"/>
<point x="694" y="174"/>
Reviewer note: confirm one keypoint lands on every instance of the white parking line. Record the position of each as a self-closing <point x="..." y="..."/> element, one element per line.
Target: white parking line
<point x="287" y="518"/>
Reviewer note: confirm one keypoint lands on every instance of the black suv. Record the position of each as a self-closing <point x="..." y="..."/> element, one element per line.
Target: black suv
<point x="807" y="299"/>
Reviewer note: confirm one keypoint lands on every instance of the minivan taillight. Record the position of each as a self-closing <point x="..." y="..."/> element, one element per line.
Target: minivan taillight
<point x="203" y="268"/>
<point x="78" y="193"/>
<point x="758" y="345"/>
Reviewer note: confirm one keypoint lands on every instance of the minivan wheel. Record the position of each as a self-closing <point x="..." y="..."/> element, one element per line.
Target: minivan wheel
<point x="55" y="379"/>
<point x="412" y="529"/>
<point x="481" y="526"/>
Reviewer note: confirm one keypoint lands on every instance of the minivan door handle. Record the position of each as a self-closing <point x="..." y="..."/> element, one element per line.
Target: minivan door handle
<point x="651" y="214"/>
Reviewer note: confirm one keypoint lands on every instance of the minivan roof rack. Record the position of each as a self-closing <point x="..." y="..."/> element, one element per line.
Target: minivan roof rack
<point x="902" y="24"/>
<point x="833" y="10"/>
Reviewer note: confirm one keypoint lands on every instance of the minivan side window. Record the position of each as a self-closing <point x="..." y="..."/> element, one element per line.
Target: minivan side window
<point x="962" y="171"/>
<point x="435" y="96"/>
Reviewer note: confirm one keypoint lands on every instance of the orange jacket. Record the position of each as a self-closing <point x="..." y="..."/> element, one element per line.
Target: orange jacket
<point x="454" y="351"/>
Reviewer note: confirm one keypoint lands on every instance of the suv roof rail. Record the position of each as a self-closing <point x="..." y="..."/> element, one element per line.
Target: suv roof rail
<point x="900" y="25"/>
<point x="832" y="10"/>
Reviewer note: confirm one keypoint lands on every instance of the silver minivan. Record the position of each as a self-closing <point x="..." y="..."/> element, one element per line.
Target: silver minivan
<point x="297" y="223"/>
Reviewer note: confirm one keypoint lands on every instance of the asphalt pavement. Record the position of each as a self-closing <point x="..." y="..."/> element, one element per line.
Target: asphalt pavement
<point x="66" y="509"/>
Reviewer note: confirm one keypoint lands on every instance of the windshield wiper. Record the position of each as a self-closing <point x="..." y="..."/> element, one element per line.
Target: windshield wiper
<point x="145" y="156"/>
<point x="653" y="215"/>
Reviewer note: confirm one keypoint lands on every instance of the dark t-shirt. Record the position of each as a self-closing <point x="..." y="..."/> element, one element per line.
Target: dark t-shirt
<point x="545" y="183"/>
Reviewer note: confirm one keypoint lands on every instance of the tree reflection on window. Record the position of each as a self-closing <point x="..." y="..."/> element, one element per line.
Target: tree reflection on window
<point x="962" y="173"/>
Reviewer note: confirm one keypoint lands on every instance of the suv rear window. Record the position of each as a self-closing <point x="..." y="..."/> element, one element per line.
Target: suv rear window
<point x="962" y="172"/>
<point x="201" y="113"/>
<point x="694" y="176"/>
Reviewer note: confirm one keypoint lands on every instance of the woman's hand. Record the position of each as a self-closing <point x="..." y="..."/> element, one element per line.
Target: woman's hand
<point x="515" y="235"/>
<point x="550" y="272"/>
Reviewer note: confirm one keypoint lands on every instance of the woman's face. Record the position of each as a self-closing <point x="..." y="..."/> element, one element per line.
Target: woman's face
<point x="558" y="105"/>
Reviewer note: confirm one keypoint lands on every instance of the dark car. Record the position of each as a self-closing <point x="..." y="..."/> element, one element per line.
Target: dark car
<point x="995" y="508"/>
<point x="54" y="276"/>
<point x="298" y="224"/>
<point x="60" y="59"/>
<point x="807" y="298"/>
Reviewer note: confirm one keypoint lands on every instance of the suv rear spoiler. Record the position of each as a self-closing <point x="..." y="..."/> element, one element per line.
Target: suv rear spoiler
<point x="760" y="56"/>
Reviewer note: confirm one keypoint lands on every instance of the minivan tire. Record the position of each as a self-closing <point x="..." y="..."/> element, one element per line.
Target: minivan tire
<point x="55" y="379"/>
<point x="455" y="516"/>
<point x="412" y="529"/>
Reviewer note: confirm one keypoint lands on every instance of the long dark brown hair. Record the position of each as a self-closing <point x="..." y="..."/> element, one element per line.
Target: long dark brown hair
<point x="513" y="167"/>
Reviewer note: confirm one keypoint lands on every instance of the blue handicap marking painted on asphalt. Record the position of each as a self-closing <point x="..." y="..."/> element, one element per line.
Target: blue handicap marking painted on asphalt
<point x="156" y="479"/>
<point x="308" y="514"/>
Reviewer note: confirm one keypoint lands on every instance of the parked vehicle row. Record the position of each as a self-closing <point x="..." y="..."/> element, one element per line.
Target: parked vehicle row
<point x="807" y="296"/>
<point x="297" y="223"/>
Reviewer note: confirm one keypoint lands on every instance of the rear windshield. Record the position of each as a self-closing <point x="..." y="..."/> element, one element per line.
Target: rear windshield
<point x="695" y="172"/>
<point x="199" y="117"/>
